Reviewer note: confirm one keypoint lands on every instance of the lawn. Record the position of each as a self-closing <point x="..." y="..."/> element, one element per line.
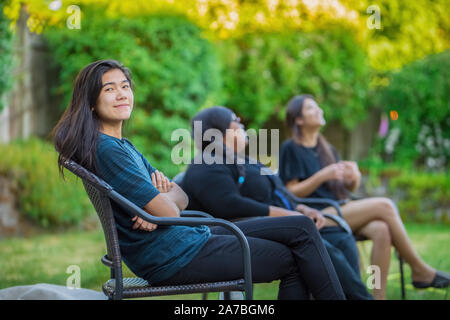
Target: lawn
<point x="45" y="259"/>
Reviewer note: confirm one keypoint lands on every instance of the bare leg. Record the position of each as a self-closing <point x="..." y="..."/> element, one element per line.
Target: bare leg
<point x="378" y="232"/>
<point x="359" y="213"/>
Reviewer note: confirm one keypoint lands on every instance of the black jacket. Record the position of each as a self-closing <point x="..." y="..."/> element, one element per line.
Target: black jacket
<point x="215" y="189"/>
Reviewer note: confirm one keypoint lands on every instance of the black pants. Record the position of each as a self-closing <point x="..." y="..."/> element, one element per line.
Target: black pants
<point x="289" y="249"/>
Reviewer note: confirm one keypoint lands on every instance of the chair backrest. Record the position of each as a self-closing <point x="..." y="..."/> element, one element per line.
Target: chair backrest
<point x="98" y="190"/>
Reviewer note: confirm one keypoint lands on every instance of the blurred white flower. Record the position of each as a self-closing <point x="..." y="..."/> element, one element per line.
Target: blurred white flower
<point x="430" y="162"/>
<point x="391" y="140"/>
<point x="55" y="5"/>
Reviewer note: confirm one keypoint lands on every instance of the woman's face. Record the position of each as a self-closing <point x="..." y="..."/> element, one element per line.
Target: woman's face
<point x="115" y="102"/>
<point x="312" y="115"/>
<point x="236" y="136"/>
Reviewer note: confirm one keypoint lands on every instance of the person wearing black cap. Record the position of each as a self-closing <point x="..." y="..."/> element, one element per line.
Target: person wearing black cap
<point x="232" y="188"/>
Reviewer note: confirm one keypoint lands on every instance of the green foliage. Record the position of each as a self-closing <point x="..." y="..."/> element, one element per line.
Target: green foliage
<point x="420" y="93"/>
<point x="410" y="30"/>
<point x="42" y="195"/>
<point x="263" y="71"/>
<point x="5" y="55"/>
<point x="375" y="168"/>
<point x="175" y="72"/>
<point x="423" y="197"/>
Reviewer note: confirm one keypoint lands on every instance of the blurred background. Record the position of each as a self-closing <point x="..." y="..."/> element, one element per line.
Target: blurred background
<point x="379" y="70"/>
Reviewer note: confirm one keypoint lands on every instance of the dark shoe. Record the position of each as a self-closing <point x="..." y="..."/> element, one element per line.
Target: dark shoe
<point x="441" y="280"/>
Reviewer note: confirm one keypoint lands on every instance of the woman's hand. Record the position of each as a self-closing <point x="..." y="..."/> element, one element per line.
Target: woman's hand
<point x="351" y="171"/>
<point x="313" y="214"/>
<point x="143" y="225"/>
<point x="161" y="182"/>
<point x="352" y="175"/>
<point x="335" y="171"/>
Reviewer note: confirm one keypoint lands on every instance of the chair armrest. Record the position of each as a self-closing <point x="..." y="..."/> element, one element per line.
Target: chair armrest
<point x="341" y="222"/>
<point x="191" y="220"/>
<point x="192" y="213"/>
<point x="330" y="202"/>
<point x="338" y="219"/>
<point x="134" y="210"/>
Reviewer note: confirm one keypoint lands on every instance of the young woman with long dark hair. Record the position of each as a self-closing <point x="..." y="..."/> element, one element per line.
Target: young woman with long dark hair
<point x="311" y="167"/>
<point x="90" y="133"/>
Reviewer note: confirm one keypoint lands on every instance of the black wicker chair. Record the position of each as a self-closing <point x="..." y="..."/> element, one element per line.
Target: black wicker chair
<point x="101" y="194"/>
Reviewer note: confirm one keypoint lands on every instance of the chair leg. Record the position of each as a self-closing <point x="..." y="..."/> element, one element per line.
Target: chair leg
<point x="231" y="295"/>
<point x="402" y="276"/>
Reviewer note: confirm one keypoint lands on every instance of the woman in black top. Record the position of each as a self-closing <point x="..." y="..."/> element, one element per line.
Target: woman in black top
<point x="231" y="190"/>
<point x="311" y="167"/>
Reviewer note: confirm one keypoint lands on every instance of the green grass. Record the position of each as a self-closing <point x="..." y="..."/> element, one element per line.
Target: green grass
<point x="45" y="259"/>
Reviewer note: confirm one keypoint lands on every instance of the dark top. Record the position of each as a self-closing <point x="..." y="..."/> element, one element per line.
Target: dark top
<point x="300" y="162"/>
<point x="215" y="188"/>
<point x="157" y="255"/>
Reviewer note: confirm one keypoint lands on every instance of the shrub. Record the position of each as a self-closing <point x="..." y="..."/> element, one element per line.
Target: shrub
<point x="422" y="197"/>
<point x="420" y="93"/>
<point x="263" y="71"/>
<point x="43" y="196"/>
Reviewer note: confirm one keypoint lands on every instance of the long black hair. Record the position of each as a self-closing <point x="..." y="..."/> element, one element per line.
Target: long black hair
<point x="324" y="152"/>
<point x="216" y="117"/>
<point x="75" y="135"/>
